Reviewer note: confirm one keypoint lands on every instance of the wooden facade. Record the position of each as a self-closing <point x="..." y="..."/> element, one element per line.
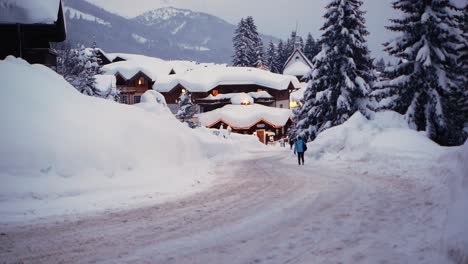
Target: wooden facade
<point x="261" y="127"/>
<point x="280" y="98"/>
<point x="132" y="89"/>
<point x="32" y="41"/>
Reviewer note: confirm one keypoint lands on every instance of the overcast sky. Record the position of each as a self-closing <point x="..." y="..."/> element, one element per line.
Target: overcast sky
<point x="273" y="17"/>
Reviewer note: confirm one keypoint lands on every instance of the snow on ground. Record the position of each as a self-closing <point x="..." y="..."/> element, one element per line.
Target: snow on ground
<point x="63" y="152"/>
<point x="29" y="11"/>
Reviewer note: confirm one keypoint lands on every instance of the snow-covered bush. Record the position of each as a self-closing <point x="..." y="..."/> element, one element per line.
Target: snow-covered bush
<point x="153" y="101"/>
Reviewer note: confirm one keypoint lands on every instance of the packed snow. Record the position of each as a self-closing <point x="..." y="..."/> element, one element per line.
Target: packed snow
<point x="29" y="11"/>
<point x="245" y="116"/>
<point x="64" y="152"/>
<point x="203" y="79"/>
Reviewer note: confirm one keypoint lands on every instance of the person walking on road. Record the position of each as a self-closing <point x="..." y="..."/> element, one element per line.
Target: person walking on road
<point x="300" y="147"/>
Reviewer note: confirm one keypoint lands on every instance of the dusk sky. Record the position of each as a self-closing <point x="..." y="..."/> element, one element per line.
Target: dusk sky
<point x="275" y="18"/>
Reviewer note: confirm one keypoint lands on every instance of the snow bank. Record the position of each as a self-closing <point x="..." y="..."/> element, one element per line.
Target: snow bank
<point x="203" y="79"/>
<point x="63" y="152"/>
<point x="361" y="139"/>
<point x="153" y="101"/>
<point x="456" y="236"/>
<point x="105" y="82"/>
<point x="29" y="11"/>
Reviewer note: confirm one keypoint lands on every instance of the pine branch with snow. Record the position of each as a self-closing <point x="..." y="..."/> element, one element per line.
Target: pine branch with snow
<point x="425" y="84"/>
<point x="186" y="109"/>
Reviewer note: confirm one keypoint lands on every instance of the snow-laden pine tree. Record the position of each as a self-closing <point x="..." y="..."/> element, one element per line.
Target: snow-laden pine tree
<point x="423" y="84"/>
<point x="311" y="48"/>
<point x="256" y="51"/>
<point x="281" y="56"/>
<point x="186" y="109"/>
<point x="343" y="70"/>
<point x="271" y="58"/>
<point x="242" y="44"/>
<point x="462" y="98"/>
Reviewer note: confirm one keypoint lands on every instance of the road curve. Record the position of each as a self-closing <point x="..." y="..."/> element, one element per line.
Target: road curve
<point x="263" y="210"/>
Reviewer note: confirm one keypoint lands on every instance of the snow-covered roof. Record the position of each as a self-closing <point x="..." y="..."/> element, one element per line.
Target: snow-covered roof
<point x="246" y="116"/>
<point x="255" y="95"/>
<point x="297" y="68"/>
<point x="203" y="79"/>
<point x="104" y="82"/>
<point x="29" y="11"/>
<point x="153" y="67"/>
<point x="297" y="64"/>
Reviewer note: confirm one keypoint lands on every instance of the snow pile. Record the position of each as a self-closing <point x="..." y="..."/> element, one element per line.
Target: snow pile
<point x="245" y="116"/>
<point x="29" y="11"/>
<point x="456" y="236"/>
<point x="64" y="152"/>
<point x="105" y="82"/>
<point x="361" y="139"/>
<point x="153" y="101"/>
<point x="242" y="99"/>
<point x="203" y="79"/>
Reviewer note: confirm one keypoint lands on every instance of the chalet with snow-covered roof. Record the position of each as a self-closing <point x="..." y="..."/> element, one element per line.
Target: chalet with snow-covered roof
<point x="297" y="64"/>
<point x="267" y="123"/>
<point x="217" y="86"/>
<point x="28" y="27"/>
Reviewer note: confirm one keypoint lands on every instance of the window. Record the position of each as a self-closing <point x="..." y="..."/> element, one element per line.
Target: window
<point x="281" y="105"/>
<point x="183" y="90"/>
<point x="297" y="57"/>
<point x="215" y="92"/>
<point x="141" y="81"/>
<point x="136" y="99"/>
<point x="124" y="99"/>
<point x="259" y="90"/>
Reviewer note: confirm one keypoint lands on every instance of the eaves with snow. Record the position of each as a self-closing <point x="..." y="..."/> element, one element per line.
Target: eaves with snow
<point x="204" y="79"/>
<point x="29" y="11"/>
<point x="246" y="116"/>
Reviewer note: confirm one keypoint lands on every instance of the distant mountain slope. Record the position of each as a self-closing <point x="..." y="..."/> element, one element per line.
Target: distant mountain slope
<point x="168" y="33"/>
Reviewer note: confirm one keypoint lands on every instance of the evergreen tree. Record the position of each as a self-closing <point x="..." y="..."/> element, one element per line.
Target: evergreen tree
<point x="424" y="83"/>
<point x="242" y="45"/>
<point x="248" y="45"/>
<point x="256" y="51"/>
<point x="271" y="58"/>
<point x="281" y="58"/>
<point x="311" y="48"/>
<point x="186" y="109"/>
<point x="461" y="98"/>
<point x="343" y="70"/>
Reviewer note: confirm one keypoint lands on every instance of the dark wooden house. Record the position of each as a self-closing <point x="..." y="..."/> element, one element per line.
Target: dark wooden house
<point x="28" y="39"/>
<point x="132" y="89"/>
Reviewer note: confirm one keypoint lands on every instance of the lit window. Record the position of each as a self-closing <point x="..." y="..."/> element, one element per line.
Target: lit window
<point x="183" y="90"/>
<point x="141" y="81"/>
<point x="245" y="102"/>
<point x="259" y="90"/>
<point x="292" y="104"/>
<point x="215" y="92"/>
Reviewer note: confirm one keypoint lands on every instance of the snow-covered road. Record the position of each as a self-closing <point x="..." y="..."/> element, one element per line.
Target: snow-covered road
<point x="262" y="210"/>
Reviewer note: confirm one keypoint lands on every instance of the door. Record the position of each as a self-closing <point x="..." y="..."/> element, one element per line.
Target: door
<point x="261" y="135"/>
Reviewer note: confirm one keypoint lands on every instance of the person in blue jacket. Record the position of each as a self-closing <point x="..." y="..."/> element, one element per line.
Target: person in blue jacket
<point x="300" y="147"/>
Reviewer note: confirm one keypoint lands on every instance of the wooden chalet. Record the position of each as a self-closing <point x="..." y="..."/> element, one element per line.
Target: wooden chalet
<point x="133" y="88"/>
<point x="267" y="123"/>
<point x="30" y="39"/>
<point x="212" y="99"/>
